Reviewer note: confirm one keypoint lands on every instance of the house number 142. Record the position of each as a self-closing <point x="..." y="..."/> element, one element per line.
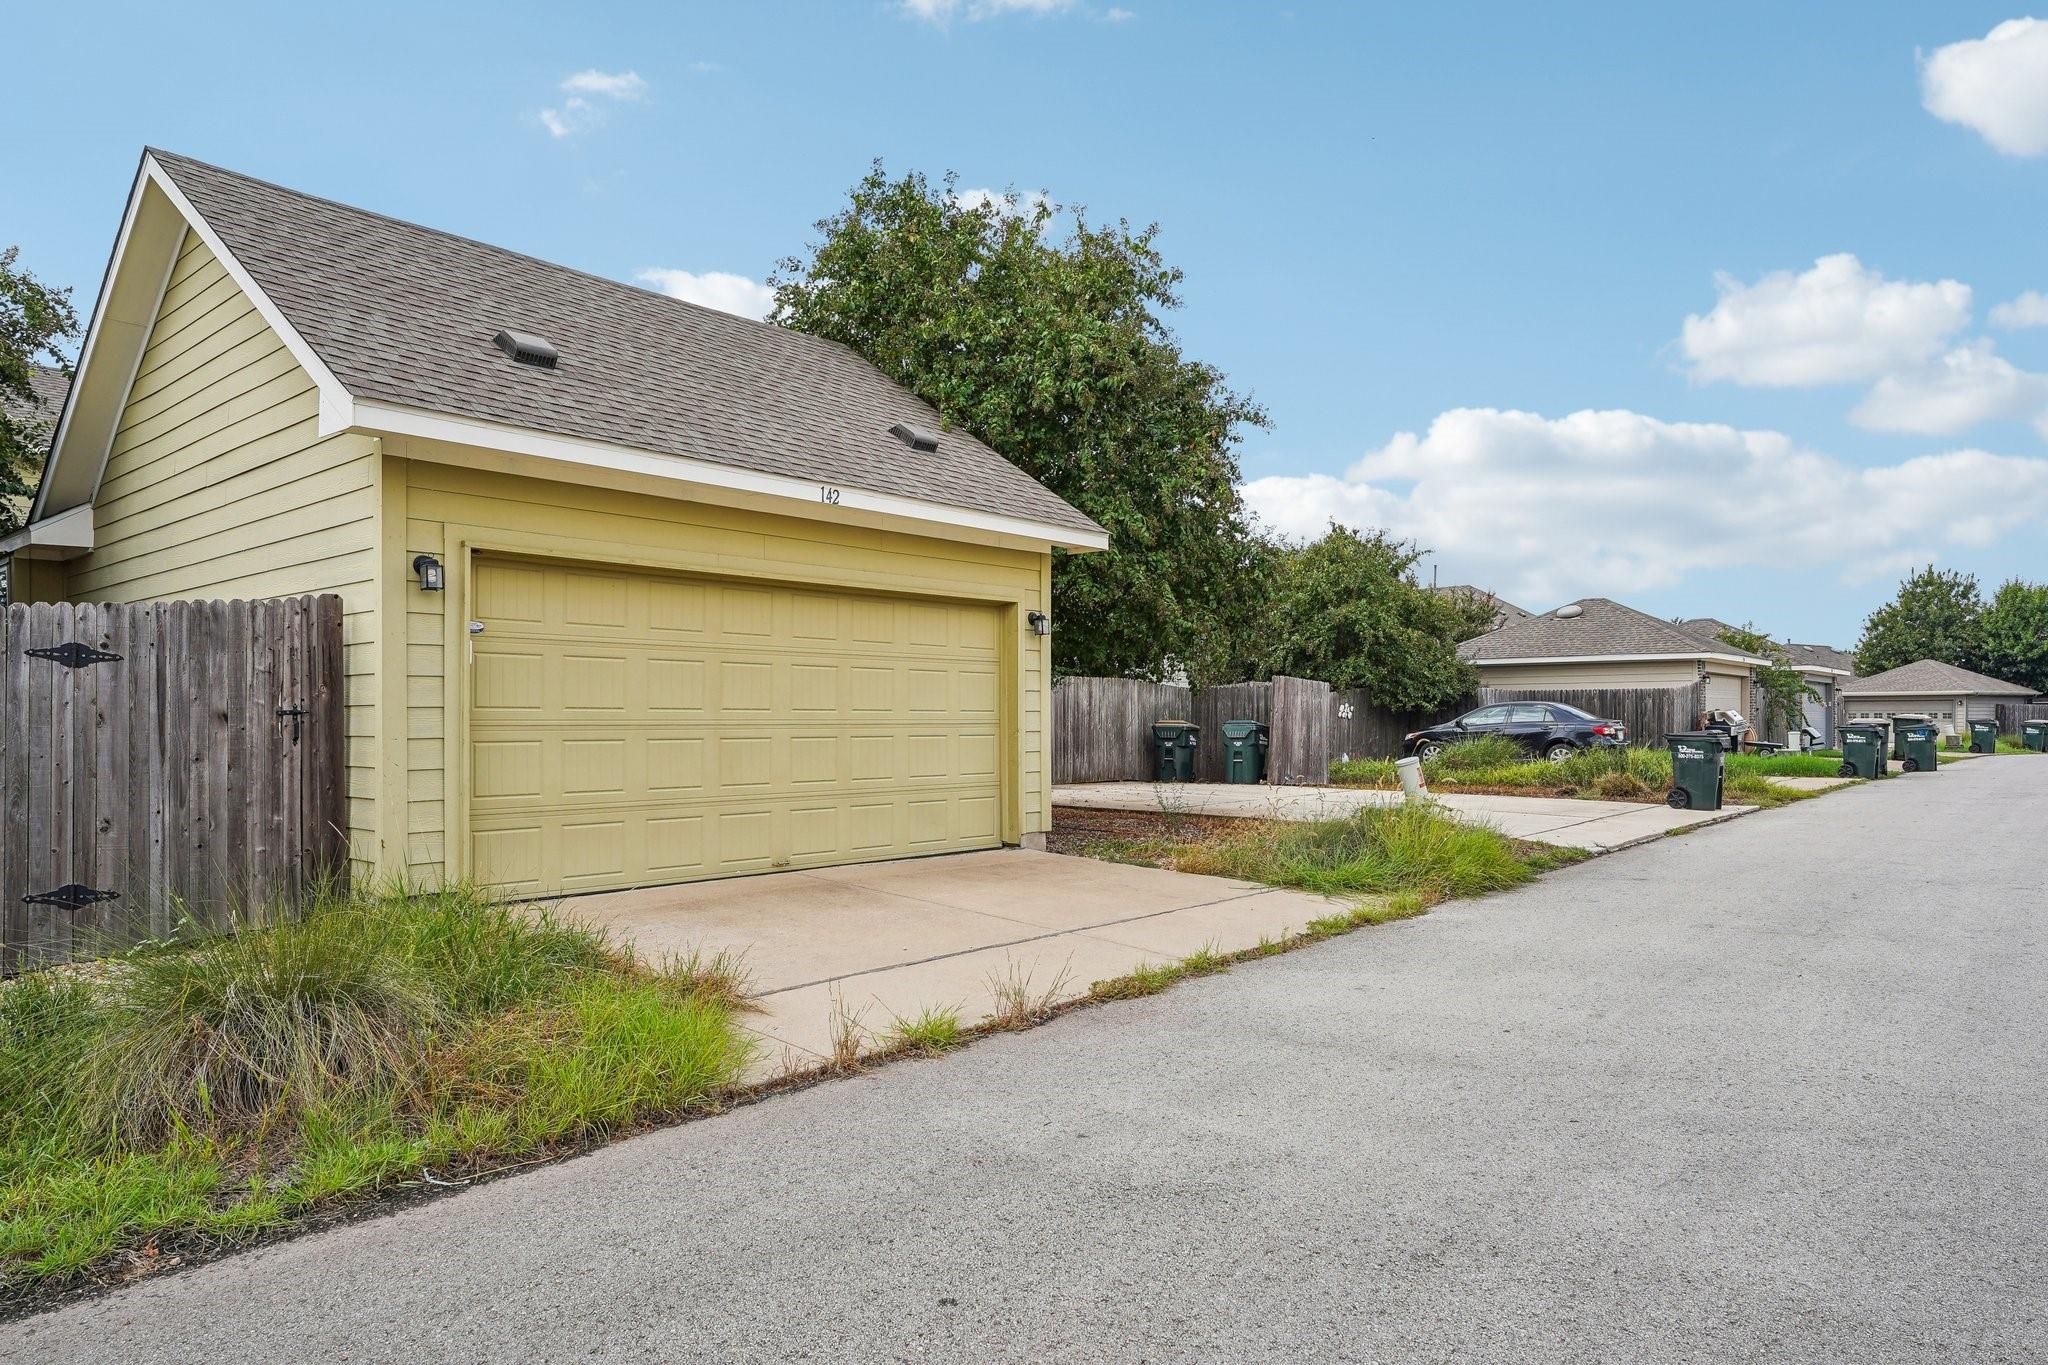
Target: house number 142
<point x="828" y="494"/>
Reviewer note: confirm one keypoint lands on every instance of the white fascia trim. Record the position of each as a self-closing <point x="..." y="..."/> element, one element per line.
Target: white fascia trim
<point x="92" y="336"/>
<point x="1831" y="672"/>
<point x="1623" y="659"/>
<point x="393" y="419"/>
<point x="1926" y="692"/>
<point x="68" y="534"/>
<point x="335" y="401"/>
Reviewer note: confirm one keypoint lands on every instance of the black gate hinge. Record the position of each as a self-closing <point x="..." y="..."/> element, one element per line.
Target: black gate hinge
<point x="71" y="896"/>
<point x="73" y="654"/>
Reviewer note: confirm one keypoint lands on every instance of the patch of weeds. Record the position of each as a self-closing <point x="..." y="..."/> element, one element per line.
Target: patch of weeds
<point x="1374" y="851"/>
<point x="720" y="978"/>
<point x="933" y="1030"/>
<point x="849" y="1036"/>
<point x="1018" y="1002"/>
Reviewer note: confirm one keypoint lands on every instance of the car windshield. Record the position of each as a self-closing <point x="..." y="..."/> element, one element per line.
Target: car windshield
<point x="1572" y="711"/>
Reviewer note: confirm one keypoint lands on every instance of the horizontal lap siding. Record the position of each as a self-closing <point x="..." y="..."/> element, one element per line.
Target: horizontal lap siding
<point x="609" y="525"/>
<point x="219" y="486"/>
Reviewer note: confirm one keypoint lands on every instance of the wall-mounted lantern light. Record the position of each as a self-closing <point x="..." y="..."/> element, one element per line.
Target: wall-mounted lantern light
<point x="1041" y="624"/>
<point x="429" y="570"/>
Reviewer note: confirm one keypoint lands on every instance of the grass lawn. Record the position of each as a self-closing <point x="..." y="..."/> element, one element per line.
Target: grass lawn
<point x="1494" y="764"/>
<point x="202" y="1093"/>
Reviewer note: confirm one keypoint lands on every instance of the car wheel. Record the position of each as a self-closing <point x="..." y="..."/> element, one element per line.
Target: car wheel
<point x="1678" y="799"/>
<point x="1558" y="753"/>
<point x="1428" y="749"/>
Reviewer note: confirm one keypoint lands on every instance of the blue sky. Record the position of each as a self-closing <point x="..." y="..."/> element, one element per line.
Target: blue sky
<point x="1423" y="236"/>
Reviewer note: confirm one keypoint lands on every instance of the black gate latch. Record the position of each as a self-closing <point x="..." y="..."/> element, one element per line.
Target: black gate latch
<point x="298" y="716"/>
<point x="73" y="654"/>
<point x="71" y="896"/>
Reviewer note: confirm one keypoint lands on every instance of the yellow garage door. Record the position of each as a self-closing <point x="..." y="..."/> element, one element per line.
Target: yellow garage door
<point x="629" y="728"/>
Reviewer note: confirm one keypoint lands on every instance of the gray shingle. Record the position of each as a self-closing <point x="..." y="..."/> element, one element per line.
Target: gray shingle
<point x="1602" y="628"/>
<point x="407" y="315"/>
<point x="1928" y="675"/>
<point x="49" y="385"/>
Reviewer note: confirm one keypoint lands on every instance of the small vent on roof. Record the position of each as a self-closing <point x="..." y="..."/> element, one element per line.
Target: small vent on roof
<point x="528" y="349"/>
<point x="1567" y="613"/>
<point x="917" y="438"/>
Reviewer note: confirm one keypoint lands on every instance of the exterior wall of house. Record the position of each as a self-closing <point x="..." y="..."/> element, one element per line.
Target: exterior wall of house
<point x="437" y="501"/>
<point x="1575" y="673"/>
<point x="217" y="485"/>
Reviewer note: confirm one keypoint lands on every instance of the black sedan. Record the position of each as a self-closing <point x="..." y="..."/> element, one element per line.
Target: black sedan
<point x="1549" y="728"/>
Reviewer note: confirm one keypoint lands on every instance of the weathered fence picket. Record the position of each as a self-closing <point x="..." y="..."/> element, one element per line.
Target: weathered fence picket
<point x="164" y="758"/>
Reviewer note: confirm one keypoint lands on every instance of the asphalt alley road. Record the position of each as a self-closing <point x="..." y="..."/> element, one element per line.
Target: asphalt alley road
<point x="1772" y="1090"/>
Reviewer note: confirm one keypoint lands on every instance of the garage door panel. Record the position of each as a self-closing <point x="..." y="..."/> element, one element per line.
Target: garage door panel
<point x="630" y="728"/>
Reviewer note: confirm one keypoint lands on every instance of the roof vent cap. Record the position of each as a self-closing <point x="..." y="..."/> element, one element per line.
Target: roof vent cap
<point x="528" y="349"/>
<point x="1567" y="613"/>
<point x="917" y="438"/>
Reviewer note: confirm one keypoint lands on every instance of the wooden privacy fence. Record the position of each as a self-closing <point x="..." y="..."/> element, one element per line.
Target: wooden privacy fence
<point x="1102" y="727"/>
<point x="160" y="759"/>
<point x="2012" y="713"/>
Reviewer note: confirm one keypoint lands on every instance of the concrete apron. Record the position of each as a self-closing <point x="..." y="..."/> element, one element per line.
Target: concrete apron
<point x="870" y="945"/>
<point x="1562" y="821"/>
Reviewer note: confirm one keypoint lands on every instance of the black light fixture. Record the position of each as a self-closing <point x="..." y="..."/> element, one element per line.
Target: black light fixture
<point x="1041" y="624"/>
<point x="429" y="570"/>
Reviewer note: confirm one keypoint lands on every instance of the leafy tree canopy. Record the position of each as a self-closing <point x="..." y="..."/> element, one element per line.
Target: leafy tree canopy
<point x="1347" y="609"/>
<point x="1049" y="347"/>
<point x="2015" y="634"/>
<point x="1937" y="615"/>
<point x="34" y="319"/>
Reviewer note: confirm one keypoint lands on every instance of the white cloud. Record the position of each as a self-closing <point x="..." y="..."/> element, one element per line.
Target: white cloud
<point x="1996" y="85"/>
<point x="718" y="289"/>
<point x="1117" y="16"/>
<point x="945" y="11"/>
<point x="1544" y="510"/>
<point x="620" y="85"/>
<point x="1837" y="323"/>
<point x="1009" y="203"/>
<point x="2028" y="310"/>
<point x="1970" y="384"/>
<point x="588" y="92"/>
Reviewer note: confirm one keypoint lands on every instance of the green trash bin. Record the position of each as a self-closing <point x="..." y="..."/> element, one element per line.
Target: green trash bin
<point x="1699" y="770"/>
<point x="1901" y="722"/>
<point x="2034" y="736"/>
<point x="1244" y="750"/>
<point x="1862" y="749"/>
<point x="1922" y="752"/>
<point x="1983" y="736"/>
<point x="1173" y="751"/>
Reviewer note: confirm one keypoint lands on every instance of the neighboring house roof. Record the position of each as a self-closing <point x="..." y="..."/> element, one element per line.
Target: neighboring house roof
<point x="1822" y="656"/>
<point x="397" y="324"/>
<point x="1928" y="677"/>
<point x="49" y="386"/>
<point x="1600" y="629"/>
<point x="1504" y="610"/>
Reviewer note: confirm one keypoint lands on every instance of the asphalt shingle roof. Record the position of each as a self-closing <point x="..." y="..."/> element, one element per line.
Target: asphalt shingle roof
<point x="1822" y="656"/>
<point x="49" y="386"/>
<point x="1928" y="675"/>
<point x="1504" y="610"/>
<point x="407" y="315"/>
<point x="1601" y="628"/>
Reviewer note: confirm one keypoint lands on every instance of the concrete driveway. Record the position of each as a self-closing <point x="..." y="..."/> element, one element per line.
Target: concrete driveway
<point x="1563" y="821"/>
<point x="878" y="942"/>
<point x="1768" y="1093"/>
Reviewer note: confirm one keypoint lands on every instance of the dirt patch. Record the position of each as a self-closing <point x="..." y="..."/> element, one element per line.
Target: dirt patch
<point x="1074" y="828"/>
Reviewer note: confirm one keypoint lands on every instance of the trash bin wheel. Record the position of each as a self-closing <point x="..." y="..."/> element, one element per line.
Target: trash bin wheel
<point x="1911" y="765"/>
<point x="1846" y="770"/>
<point x="1678" y="798"/>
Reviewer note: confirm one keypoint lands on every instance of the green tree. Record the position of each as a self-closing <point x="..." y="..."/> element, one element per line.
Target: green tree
<point x="34" y="320"/>
<point x="1937" y="615"/>
<point x="2015" y="634"/>
<point x="1346" y="609"/>
<point x="1784" y="688"/>
<point x="1050" y="348"/>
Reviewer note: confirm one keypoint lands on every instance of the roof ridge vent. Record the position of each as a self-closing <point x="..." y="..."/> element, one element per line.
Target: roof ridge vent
<point x="528" y="349"/>
<point x="917" y="438"/>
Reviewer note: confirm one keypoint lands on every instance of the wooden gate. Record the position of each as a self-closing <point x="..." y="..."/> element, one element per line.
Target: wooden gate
<point x="164" y="760"/>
